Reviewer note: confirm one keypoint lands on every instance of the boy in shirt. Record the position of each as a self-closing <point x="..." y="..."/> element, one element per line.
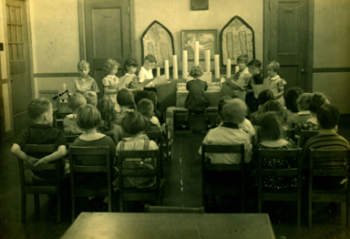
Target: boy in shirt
<point x="146" y="72"/>
<point x="41" y="132"/>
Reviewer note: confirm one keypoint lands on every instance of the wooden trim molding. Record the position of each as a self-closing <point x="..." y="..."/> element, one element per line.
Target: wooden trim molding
<point x="132" y="28"/>
<point x="330" y="69"/>
<point x="81" y="25"/>
<point x="65" y="74"/>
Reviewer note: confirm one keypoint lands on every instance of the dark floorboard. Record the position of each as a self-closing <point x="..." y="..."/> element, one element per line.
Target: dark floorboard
<point x="182" y="188"/>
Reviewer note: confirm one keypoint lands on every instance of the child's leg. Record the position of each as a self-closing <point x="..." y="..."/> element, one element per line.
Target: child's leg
<point x="205" y="113"/>
<point x="185" y="122"/>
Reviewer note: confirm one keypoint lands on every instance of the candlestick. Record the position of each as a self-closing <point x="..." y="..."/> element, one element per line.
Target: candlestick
<point x="64" y="86"/>
<point x="207" y="60"/>
<point x="228" y="69"/>
<point x="196" y="54"/>
<point x="217" y="66"/>
<point x="166" y="66"/>
<point x="184" y="64"/>
<point x="175" y="70"/>
<point x="158" y="71"/>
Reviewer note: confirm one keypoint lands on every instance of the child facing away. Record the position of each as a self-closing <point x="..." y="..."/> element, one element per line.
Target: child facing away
<point x="75" y="101"/>
<point x="303" y="104"/>
<point x="41" y="132"/>
<point x="237" y="85"/>
<point x="263" y="97"/>
<point x="85" y="82"/>
<point x="274" y="82"/>
<point x="196" y="101"/>
<point x="126" y="103"/>
<point x="146" y="74"/>
<point x="134" y="125"/>
<point x="152" y="96"/>
<point x="108" y="127"/>
<point x="91" y="97"/>
<point x="88" y="120"/>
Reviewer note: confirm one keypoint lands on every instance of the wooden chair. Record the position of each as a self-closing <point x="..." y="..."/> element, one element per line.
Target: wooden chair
<point x="167" y="145"/>
<point x="158" y="138"/>
<point x="90" y="160"/>
<point x="71" y="138"/>
<point x="280" y="194"/>
<point x="290" y="134"/>
<point x="162" y="209"/>
<point x="40" y="187"/>
<point x="341" y="195"/>
<point x="209" y="189"/>
<point x="305" y="135"/>
<point x="153" y="193"/>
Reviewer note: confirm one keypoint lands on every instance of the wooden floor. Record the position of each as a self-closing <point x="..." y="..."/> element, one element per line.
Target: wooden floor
<point x="182" y="188"/>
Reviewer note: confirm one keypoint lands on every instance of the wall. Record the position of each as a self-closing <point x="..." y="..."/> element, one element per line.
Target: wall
<point x="177" y="16"/>
<point x="55" y="40"/>
<point x="331" y="49"/>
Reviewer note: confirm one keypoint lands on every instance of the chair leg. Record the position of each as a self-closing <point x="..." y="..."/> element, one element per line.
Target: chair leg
<point x="299" y="212"/>
<point x="310" y="212"/>
<point x="73" y="209"/>
<point x="59" y="198"/>
<point x="110" y="198"/>
<point x="121" y="209"/>
<point x="24" y="207"/>
<point x="343" y="213"/>
<point x="36" y="202"/>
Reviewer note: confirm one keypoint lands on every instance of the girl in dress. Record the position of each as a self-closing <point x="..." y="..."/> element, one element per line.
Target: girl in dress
<point x="274" y="82"/>
<point x="131" y="80"/>
<point x="196" y="101"/>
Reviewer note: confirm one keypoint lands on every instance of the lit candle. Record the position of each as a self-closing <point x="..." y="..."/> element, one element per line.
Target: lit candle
<point x="158" y="71"/>
<point x="166" y="66"/>
<point x="184" y="64"/>
<point x="217" y="66"/>
<point x="228" y="69"/>
<point x="64" y="86"/>
<point x="175" y="71"/>
<point x="207" y="60"/>
<point x="196" y="54"/>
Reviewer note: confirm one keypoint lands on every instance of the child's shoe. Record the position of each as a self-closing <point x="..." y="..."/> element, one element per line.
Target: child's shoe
<point x="185" y="125"/>
<point x="209" y="126"/>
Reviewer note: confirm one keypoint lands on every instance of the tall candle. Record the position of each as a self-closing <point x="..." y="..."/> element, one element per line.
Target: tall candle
<point x="175" y="71"/>
<point x="228" y="69"/>
<point x="184" y="65"/>
<point x="166" y="66"/>
<point x="158" y="71"/>
<point x="217" y="66"/>
<point x="64" y="86"/>
<point x="196" y="54"/>
<point x="207" y="60"/>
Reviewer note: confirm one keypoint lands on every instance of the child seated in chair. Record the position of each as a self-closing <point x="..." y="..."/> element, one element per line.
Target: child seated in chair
<point x="69" y="123"/>
<point x="196" y="101"/>
<point x="229" y="133"/>
<point x="91" y="97"/>
<point x="303" y="104"/>
<point x="152" y="96"/>
<point x="41" y="132"/>
<point x="126" y="103"/>
<point x="134" y="125"/>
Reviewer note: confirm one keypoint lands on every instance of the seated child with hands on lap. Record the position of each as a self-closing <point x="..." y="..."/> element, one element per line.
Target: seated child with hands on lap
<point x="69" y="122"/>
<point x="85" y="82"/>
<point x="41" y="132"/>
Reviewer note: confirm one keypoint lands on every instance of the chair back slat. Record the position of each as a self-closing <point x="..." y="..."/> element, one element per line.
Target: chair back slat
<point x="89" y="169"/>
<point x="322" y="153"/>
<point x="334" y="161"/>
<point x="87" y="150"/>
<point x="40" y="148"/>
<point x="222" y="167"/>
<point x="286" y="153"/>
<point x="223" y="148"/>
<point x="49" y="166"/>
<point x="139" y="173"/>
<point x="162" y="209"/>
<point x="138" y="154"/>
<point x="330" y="173"/>
<point x="305" y="135"/>
<point x="280" y="172"/>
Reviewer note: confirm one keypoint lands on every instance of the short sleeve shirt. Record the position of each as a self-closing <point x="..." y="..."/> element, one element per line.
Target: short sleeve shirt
<point x="88" y="84"/>
<point x="146" y="75"/>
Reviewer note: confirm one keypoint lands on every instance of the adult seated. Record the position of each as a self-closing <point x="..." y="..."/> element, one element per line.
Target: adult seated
<point x="329" y="139"/>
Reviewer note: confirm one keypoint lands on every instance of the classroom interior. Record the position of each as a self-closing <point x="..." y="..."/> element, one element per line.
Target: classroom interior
<point x="42" y="41"/>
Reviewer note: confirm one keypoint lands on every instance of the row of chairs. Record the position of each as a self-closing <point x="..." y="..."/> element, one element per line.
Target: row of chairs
<point x="97" y="161"/>
<point x="295" y="195"/>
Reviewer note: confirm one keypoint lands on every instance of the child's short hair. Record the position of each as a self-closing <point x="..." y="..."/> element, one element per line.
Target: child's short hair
<point x="38" y="107"/>
<point x="265" y="96"/>
<point x="145" y="107"/>
<point x="82" y="64"/>
<point x="106" y="109"/>
<point x="130" y="62"/>
<point x="304" y="101"/>
<point x="91" y="97"/>
<point x="143" y="94"/>
<point x="255" y="63"/>
<point x="316" y="101"/>
<point x="274" y="106"/>
<point x="134" y="122"/>
<point x="75" y="101"/>
<point x="88" y="117"/>
<point x="222" y="103"/>
<point x="328" y="116"/>
<point x="196" y="71"/>
<point x="150" y="58"/>
<point x="109" y="65"/>
<point x="274" y="65"/>
<point x="234" y="111"/>
<point x="125" y="98"/>
<point x="291" y="98"/>
<point x="243" y="58"/>
<point x="270" y="127"/>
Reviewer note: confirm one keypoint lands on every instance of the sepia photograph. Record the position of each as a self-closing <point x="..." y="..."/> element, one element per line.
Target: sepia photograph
<point x="174" y="119"/>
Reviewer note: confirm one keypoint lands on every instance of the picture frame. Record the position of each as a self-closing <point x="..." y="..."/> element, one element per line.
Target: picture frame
<point x="198" y="5"/>
<point x="207" y="41"/>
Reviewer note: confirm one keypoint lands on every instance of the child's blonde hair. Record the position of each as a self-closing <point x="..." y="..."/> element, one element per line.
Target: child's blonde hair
<point x="82" y="64"/>
<point x="109" y="65"/>
<point x="134" y="122"/>
<point x="38" y="107"/>
<point x="145" y="107"/>
<point x="196" y="71"/>
<point x="304" y="101"/>
<point x="242" y="58"/>
<point x="88" y="117"/>
<point x="75" y="101"/>
<point x="91" y="97"/>
<point x="274" y="65"/>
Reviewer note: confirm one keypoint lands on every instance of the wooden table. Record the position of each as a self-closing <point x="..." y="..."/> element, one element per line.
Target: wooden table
<point x="165" y="225"/>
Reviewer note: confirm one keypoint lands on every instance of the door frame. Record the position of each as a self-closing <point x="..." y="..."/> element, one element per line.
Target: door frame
<point x="309" y="58"/>
<point x="81" y="25"/>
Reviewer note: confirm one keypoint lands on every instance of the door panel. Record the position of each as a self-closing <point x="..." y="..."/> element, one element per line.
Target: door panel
<point x="107" y="29"/>
<point x="285" y="32"/>
<point x="18" y="45"/>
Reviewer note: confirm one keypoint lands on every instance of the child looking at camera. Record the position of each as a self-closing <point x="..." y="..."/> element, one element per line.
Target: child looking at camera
<point x="85" y="82"/>
<point x="274" y="82"/>
<point x="146" y="74"/>
<point x="130" y="79"/>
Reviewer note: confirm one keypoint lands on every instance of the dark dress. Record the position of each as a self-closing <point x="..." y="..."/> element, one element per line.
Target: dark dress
<point x="196" y="100"/>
